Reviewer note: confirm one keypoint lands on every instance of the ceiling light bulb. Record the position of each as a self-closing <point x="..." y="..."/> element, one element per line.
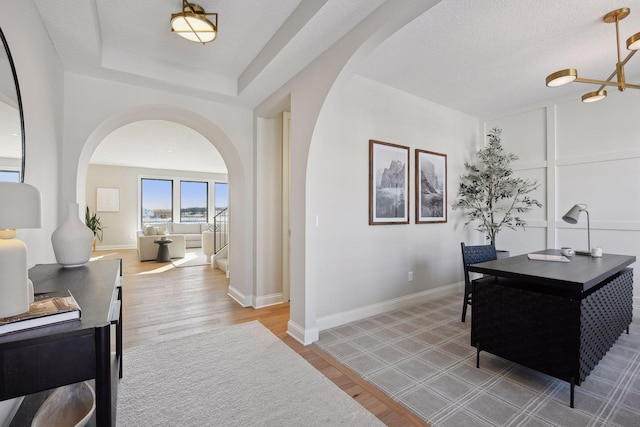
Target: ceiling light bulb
<point x="594" y="96"/>
<point x="633" y="42"/>
<point x="562" y="77"/>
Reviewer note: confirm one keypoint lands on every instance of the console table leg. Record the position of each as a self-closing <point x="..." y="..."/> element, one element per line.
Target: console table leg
<point x="119" y="336"/>
<point x="103" y="375"/>
<point x="477" y="355"/>
<point x="571" y="393"/>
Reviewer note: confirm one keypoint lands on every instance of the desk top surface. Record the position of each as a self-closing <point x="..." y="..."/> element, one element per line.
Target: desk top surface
<point x="581" y="273"/>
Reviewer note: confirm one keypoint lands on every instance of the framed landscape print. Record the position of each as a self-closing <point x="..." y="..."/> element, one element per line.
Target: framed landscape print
<point x="388" y="183"/>
<point x="431" y="187"/>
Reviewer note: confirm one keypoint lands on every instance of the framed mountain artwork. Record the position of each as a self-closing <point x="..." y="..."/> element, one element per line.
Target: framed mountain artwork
<point x="431" y="187"/>
<point x="388" y="183"/>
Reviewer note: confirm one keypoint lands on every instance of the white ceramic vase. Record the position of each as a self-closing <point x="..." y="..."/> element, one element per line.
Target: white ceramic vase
<point x="73" y="240"/>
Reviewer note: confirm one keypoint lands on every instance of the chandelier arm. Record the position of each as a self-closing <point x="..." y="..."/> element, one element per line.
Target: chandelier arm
<point x="615" y="72"/>
<point x="628" y="57"/>
<point x="618" y="39"/>
<point x="597" y="82"/>
<point x="604" y="83"/>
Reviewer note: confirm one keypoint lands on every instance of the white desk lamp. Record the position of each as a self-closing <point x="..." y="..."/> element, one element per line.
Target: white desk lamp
<point x="572" y="218"/>
<point x="19" y="208"/>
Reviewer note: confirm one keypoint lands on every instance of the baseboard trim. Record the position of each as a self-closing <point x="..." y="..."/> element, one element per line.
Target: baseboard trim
<point x="268" y="300"/>
<point x="239" y="297"/>
<point x="333" y="320"/>
<point x="298" y="333"/>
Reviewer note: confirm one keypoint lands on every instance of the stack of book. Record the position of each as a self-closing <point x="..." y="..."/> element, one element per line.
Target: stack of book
<point x="46" y="309"/>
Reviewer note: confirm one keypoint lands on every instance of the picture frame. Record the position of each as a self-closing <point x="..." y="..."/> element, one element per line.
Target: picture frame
<point x="388" y="183"/>
<point x="108" y="200"/>
<point x="431" y="187"/>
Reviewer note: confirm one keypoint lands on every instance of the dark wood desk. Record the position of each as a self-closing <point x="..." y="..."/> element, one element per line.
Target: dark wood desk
<point x="557" y="318"/>
<point x="33" y="362"/>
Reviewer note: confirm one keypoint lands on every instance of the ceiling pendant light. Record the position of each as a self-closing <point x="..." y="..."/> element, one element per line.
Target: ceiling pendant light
<point x="192" y="23"/>
<point x="563" y="77"/>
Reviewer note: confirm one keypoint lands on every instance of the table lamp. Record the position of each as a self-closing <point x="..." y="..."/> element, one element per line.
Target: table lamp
<point x="572" y="218"/>
<point x="19" y="208"/>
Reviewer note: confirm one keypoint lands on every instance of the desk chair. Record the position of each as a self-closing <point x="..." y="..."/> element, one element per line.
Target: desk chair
<point x="473" y="255"/>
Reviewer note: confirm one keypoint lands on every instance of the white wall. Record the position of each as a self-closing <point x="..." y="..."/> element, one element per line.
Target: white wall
<point x="268" y="228"/>
<point x="584" y="153"/>
<point x="356" y="266"/>
<point x="120" y="227"/>
<point x="40" y="75"/>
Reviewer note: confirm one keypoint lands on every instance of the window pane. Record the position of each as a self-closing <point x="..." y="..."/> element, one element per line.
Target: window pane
<point x="193" y="201"/>
<point x="222" y="196"/>
<point x="9" y="176"/>
<point x="157" y="196"/>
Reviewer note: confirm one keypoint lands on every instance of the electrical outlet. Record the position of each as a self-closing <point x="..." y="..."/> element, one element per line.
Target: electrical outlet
<point x="410" y="278"/>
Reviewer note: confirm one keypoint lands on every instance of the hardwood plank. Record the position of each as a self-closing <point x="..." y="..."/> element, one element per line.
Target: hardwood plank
<point x="197" y="301"/>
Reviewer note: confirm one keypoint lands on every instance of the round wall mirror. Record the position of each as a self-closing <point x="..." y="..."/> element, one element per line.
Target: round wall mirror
<point x="11" y="119"/>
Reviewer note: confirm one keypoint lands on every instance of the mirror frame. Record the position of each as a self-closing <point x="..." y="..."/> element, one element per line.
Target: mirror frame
<point x="19" y="98"/>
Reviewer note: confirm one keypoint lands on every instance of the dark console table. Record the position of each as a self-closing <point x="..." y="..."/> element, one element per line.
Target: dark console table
<point x="35" y="361"/>
<point x="557" y="318"/>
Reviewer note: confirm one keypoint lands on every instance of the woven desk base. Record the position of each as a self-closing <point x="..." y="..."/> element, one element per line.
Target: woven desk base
<point x="553" y="334"/>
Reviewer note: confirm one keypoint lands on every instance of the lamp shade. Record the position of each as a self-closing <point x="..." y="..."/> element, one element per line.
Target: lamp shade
<point x="574" y="213"/>
<point x="633" y="42"/>
<point x="19" y="206"/>
<point x="594" y="96"/>
<point x="562" y="77"/>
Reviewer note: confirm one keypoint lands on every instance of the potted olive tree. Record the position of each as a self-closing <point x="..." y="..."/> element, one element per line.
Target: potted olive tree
<point x="93" y="222"/>
<point x="490" y="195"/>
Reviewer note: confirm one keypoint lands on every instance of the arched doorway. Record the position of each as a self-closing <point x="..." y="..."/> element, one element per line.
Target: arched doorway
<point x="240" y="280"/>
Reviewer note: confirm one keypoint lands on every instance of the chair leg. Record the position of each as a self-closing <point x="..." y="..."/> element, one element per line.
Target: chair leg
<point x="467" y="301"/>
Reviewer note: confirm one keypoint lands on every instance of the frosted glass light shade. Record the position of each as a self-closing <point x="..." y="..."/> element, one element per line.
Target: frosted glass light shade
<point x="193" y="25"/>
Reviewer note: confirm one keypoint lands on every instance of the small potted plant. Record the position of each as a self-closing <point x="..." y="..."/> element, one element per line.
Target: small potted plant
<point x="93" y="222"/>
<point x="489" y="193"/>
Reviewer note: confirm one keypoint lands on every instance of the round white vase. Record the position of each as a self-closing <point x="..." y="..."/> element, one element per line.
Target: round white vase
<point x="73" y="240"/>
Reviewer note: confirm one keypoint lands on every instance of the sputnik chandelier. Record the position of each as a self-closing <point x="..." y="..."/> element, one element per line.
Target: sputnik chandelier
<point x="192" y="23"/>
<point x="563" y="77"/>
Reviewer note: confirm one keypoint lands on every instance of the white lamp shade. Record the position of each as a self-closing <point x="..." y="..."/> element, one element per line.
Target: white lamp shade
<point x="19" y="206"/>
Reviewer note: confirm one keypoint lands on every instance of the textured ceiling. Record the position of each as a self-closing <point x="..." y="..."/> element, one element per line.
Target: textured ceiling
<point x="477" y="57"/>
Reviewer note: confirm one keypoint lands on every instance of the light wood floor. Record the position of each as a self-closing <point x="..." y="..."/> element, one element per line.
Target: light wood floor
<point x="161" y="302"/>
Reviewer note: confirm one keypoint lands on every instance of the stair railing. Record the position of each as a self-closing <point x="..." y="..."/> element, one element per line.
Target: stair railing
<point x="221" y="230"/>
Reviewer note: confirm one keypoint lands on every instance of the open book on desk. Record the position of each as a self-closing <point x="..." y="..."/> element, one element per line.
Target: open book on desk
<point x="543" y="257"/>
<point x="46" y="309"/>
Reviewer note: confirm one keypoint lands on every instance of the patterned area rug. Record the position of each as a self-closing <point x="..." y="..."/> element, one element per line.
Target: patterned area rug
<point x="241" y="375"/>
<point x="420" y="356"/>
